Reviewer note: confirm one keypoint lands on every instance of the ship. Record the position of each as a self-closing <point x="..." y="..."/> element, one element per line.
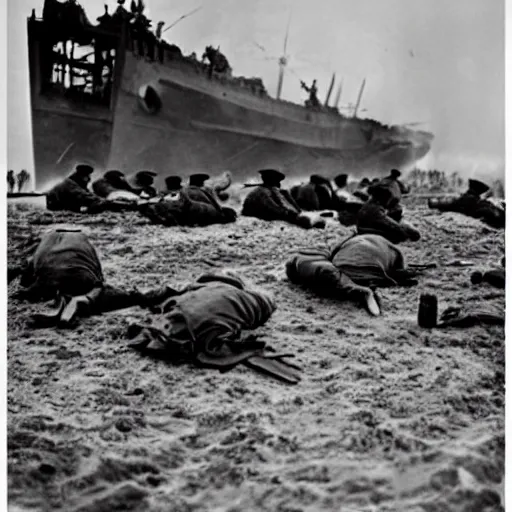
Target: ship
<point x="116" y="95"/>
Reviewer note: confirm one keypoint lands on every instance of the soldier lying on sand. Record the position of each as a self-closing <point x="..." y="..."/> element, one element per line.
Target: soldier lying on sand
<point x="352" y="269"/>
<point x="203" y="322"/>
<point x="373" y="218"/>
<point x="112" y="181"/>
<point x="269" y="202"/>
<point x="473" y="205"/>
<point x="176" y="208"/>
<point x="73" y="195"/>
<point x="197" y="191"/>
<point x="316" y="195"/>
<point x="65" y="267"/>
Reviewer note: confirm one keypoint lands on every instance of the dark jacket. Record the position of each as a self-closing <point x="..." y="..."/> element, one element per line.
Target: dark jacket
<point x="270" y="203"/>
<point x="65" y="262"/>
<point x="373" y="219"/>
<point x="69" y="195"/>
<point x="396" y="187"/>
<point x="202" y="195"/>
<point x="473" y="206"/>
<point x="211" y="314"/>
<point x="177" y="209"/>
<point x="312" y="197"/>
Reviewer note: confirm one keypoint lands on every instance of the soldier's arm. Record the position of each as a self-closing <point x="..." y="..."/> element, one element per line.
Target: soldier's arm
<point x="291" y="200"/>
<point x="86" y="198"/>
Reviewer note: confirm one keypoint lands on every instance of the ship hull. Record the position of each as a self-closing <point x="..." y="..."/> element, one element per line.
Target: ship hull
<point x="175" y="151"/>
<point x="204" y="126"/>
<point x="62" y="141"/>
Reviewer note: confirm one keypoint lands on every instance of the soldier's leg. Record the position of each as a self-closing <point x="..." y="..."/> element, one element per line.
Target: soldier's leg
<point x="112" y="299"/>
<point x="320" y="275"/>
<point x="312" y="271"/>
<point x="361" y="294"/>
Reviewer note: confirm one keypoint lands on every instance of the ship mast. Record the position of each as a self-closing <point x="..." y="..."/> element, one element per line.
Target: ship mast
<point x="329" y="92"/>
<point x="338" y="94"/>
<point x="359" y="98"/>
<point x="283" y="60"/>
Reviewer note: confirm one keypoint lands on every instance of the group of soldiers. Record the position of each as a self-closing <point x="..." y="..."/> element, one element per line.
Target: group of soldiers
<point x="190" y="205"/>
<point x="204" y="322"/>
<point x="374" y="207"/>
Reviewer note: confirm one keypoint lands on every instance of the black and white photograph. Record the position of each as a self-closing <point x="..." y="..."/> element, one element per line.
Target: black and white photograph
<point x="255" y="255"/>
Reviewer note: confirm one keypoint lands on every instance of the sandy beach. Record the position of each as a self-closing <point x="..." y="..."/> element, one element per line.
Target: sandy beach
<point x="388" y="416"/>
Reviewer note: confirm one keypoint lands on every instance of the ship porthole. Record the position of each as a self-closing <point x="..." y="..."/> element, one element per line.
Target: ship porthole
<point x="149" y="99"/>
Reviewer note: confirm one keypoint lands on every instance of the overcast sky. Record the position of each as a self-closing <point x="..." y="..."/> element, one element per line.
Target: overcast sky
<point x="440" y="62"/>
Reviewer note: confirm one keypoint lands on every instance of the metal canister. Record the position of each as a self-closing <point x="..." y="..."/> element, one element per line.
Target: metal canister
<point x="427" y="311"/>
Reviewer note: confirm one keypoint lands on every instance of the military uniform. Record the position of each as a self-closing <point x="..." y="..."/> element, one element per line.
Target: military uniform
<point x="72" y="194"/>
<point x="197" y="192"/>
<point x="210" y="315"/>
<point x="315" y="195"/>
<point x="178" y="209"/>
<point x="350" y="269"/>
<point x="143" y="184"/>
<point x="204" y="323"/>
<point x="471" y="204"/>
<point x="66" y="266"/>
<point x="396" y="189"/>
<point x="373" y="218"/>
<point x="112" y="181"/>
<point x="269" y="202"/>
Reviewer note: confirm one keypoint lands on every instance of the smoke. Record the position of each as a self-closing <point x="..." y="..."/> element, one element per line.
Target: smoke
<point x="477" y="166"/>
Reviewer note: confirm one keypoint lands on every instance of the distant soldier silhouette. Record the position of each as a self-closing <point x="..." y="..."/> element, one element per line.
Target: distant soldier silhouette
<point x="313" y="98"/>
<point x="22" y="179"/>
<point x="11" y="181"/>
